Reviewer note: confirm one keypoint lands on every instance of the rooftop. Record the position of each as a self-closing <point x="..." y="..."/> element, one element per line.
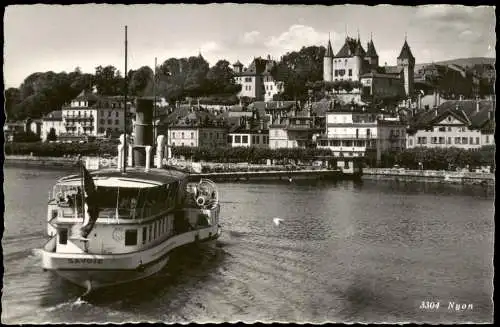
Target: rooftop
<point x="463" y="110"/>
<point x="53" y="116"/>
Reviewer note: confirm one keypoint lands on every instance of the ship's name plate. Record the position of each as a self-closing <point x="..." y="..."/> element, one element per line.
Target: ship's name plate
<point x="86" y="261"/>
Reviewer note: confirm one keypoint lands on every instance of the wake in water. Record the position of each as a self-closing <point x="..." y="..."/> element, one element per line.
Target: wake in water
<point x="69" y="305"/>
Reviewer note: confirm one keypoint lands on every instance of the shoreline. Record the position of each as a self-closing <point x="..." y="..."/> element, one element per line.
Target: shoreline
<point x="241" y="173"/>
<point x="429" y="176"/>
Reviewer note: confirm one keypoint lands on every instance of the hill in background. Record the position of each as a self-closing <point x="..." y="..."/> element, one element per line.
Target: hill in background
<point x="464" y="62"/>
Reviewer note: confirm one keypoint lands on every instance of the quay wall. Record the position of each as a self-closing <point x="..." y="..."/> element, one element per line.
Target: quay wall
<point x="431" y="176"/>
<point x="279" y="172"/>
<point x="41" y="161"/>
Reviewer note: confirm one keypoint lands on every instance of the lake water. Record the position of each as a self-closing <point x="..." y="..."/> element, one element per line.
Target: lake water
<point x="345" y="252"/>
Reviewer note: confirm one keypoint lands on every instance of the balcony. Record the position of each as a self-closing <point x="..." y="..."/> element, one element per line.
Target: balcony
<point x="349" y="137"/>
<point x="78" y="118"/>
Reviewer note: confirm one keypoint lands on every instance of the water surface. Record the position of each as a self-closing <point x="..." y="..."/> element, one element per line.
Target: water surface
<point x="345" y="252"/>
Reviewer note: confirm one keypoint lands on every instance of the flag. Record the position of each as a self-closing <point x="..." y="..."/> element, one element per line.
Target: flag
<point x="91" y="208"/>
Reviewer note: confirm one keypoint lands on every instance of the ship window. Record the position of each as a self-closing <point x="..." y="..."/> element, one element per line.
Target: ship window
<point x="144" y="234"/>
<point x="131" y="237"/>
<point x="63" y="236"/>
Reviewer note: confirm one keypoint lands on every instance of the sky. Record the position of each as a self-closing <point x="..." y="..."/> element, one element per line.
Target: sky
<point x="39" y="38"/>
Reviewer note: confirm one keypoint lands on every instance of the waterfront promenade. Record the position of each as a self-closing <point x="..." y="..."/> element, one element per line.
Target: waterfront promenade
<point x="245" y="172"/>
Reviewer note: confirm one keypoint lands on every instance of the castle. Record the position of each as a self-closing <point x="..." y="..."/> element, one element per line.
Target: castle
<point x="353" y="63"/>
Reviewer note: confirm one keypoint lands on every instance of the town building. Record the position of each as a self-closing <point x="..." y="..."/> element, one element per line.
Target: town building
<point x="12" y="128"/>
<point x="293" y="129"/>
<point x="96" y="116"/>
<point x="466" y="124"/>
<point x="257" y="81"/>
<point x="357" y="131"/>
<point x="368" y="80"/>
<point x="194" y="128"/>
<point x="453" y="81"/>
<point x="52" y="124"/>
<point x="250" y="131"/>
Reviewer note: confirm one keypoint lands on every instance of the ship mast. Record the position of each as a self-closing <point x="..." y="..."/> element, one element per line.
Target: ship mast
<point x="124" y="169"/>
<point x="155" y="127"/>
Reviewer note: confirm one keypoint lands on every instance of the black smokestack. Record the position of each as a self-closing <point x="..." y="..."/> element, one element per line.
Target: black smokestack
<point x="143" y="129"/>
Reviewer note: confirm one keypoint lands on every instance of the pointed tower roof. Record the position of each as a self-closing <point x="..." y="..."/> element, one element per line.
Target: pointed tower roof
<point x="370" y="50"/>
<point x="329" y="50"/>
<point x="406" y="52"/>
<point x="348" y="49"/>
<point x="359" y="51"/>
<point x="238" y="63"/>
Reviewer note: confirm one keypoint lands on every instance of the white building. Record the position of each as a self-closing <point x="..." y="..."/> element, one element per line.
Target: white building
<point x="466" y="124"/>
<point x="52" y="121"/>
<point x="91" y="115"/>
<point x="354" y="132"/>
<point x="257" y="81"/>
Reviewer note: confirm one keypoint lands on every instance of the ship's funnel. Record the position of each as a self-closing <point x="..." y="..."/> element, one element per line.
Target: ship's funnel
<point x="143" y="130"/>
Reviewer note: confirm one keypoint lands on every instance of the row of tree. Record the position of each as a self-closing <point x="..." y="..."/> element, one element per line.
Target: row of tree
<point x="440" y="158"/>
<point x="254" y="155"/>
<point x="41" y="93"/>
<point x="178" y="78"/>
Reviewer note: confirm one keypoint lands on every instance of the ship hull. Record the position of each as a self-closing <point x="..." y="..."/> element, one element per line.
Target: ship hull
<point x="98" y="271"/>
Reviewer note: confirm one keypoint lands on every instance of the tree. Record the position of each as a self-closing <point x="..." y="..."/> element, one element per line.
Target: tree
<point x="51" y="135"/>
<point x="346" y="86"/>
<point x="141" y="81"/>
<point x="220" y="78"/>
<point x="12" y="98"/>
<point x="296" y="69"/>
<point x="336" y="85"/>
<point x="195" y="82"/>
<point x="108" y="80"/>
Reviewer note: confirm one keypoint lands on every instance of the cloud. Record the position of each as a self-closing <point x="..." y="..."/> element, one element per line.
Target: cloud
<point x="296" y="37"/>
<point x="210" y="47"/>
<point x="445" y="12"/>
<point x="455" y="19"/>
<point x="251" y="37"/>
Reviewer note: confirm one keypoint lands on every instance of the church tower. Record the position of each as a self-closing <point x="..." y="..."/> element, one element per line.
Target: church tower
<point x="406" y="62"/>
<point x="328" y="63"/>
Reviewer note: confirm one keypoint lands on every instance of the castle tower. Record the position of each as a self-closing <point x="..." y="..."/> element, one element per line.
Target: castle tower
<point x="359" y="54"/>
<point x="371" y="54"/>
<point x="406" y="61"/>
<point x="328" y="63"/>
<point x="238" y="67"/>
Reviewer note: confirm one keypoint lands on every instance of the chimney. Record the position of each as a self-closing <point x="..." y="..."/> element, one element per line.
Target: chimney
<point x="261" y="124"/>
<point x="436" y="111"/>
<point x="247" y="123"/>
<point x="461" y="97"/>
<point x="143" y="130"/>
<point x="477" y="106"/>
